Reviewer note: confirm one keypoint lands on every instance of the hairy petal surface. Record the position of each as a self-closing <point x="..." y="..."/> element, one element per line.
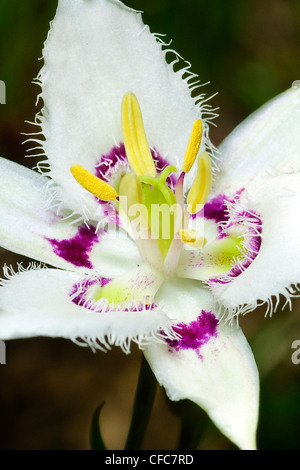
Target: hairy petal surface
<point x="30" y="229"/>
<point x="212" y="364"/>
<point x="25" y="220"/>
<point x="58" y="304"/>
<point x="277" y="265"/>
<point x="81" y="119"/>
<point x="266" y="143"/>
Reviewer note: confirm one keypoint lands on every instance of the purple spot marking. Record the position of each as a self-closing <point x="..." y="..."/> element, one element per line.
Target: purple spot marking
<point x="75" y="250"/>
<point x="195" y="334"/>
<point x="141" y="307"/>
<point x="216" y="208"/>
<point x="111" y="162"/>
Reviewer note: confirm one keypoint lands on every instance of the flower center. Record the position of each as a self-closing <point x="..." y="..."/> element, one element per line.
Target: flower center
<point x="155" y="202"/>
<point x="155" y="214"/>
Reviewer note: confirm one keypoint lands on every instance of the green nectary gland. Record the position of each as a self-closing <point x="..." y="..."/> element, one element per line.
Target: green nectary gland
<point x="114" y="292"/>
<point x="223" y="252"/>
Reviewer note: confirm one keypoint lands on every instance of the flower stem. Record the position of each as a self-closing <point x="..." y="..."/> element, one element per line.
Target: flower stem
<point x="193" y="423"/>
<point x="142" y="408"/>
<point x="97" y="442"/>
<point x="191" y="432"/>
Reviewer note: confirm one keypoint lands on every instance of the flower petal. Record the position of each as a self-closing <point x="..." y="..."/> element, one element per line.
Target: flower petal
<point x="113" y="52"/>
<point x="52" y="303"/>
<point x="25" y="221"/>
<point x="236" y="242"/>
<point x="30" y="229"/>
<point x="212" y="364"/>
<point x="266" y="143"/>
<point x="114" y="255"/>
<point x="276" y="268"/>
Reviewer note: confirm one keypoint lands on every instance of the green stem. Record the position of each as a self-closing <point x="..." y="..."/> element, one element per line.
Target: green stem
<point x="193" y="423"/>
<point x="143" y="403"/>
<point x="97" y="442"/>
<point x="191" y="433"/>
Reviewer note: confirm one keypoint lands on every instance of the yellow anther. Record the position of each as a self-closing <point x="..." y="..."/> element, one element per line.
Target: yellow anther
<point x="193" y="146"/>
<point x="93" y="184"/>
<point x="135" y="140"/>
<point x="201" y="187"/>
<point x="191" y="238"/>
<point x="188" y="236"/>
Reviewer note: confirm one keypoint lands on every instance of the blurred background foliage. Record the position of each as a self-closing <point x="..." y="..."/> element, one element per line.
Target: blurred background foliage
<point x="49" y="389"/>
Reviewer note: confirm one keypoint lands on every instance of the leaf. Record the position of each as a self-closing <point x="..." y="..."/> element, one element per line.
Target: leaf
<point x="97" y="442"/>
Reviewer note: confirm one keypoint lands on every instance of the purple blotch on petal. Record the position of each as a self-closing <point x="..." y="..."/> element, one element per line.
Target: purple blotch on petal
<point x="195" y="334"/>
<point x="75" y="250"/>
<point x="216" y="208"/>
<point x="111" y="162"/>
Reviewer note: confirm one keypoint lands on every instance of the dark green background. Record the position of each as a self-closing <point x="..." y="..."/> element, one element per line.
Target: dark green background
<point x="249" y="52"/>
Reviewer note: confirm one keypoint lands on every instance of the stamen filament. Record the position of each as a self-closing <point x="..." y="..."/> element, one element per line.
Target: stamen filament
<point x="94" y="185"/>
<point x="193" y="146"/>
<point x="135" y="140"/>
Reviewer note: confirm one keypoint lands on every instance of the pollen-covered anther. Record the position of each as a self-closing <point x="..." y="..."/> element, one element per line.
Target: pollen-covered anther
<point x="92" y="184"/>
<point x="190" y="237"/>
<point x="193" y="146"/>
<point x="201" y="187"/>
<point x="135" y="140"/>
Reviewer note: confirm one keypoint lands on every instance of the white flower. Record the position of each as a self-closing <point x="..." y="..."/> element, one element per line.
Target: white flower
<point x="115" y="283"/>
